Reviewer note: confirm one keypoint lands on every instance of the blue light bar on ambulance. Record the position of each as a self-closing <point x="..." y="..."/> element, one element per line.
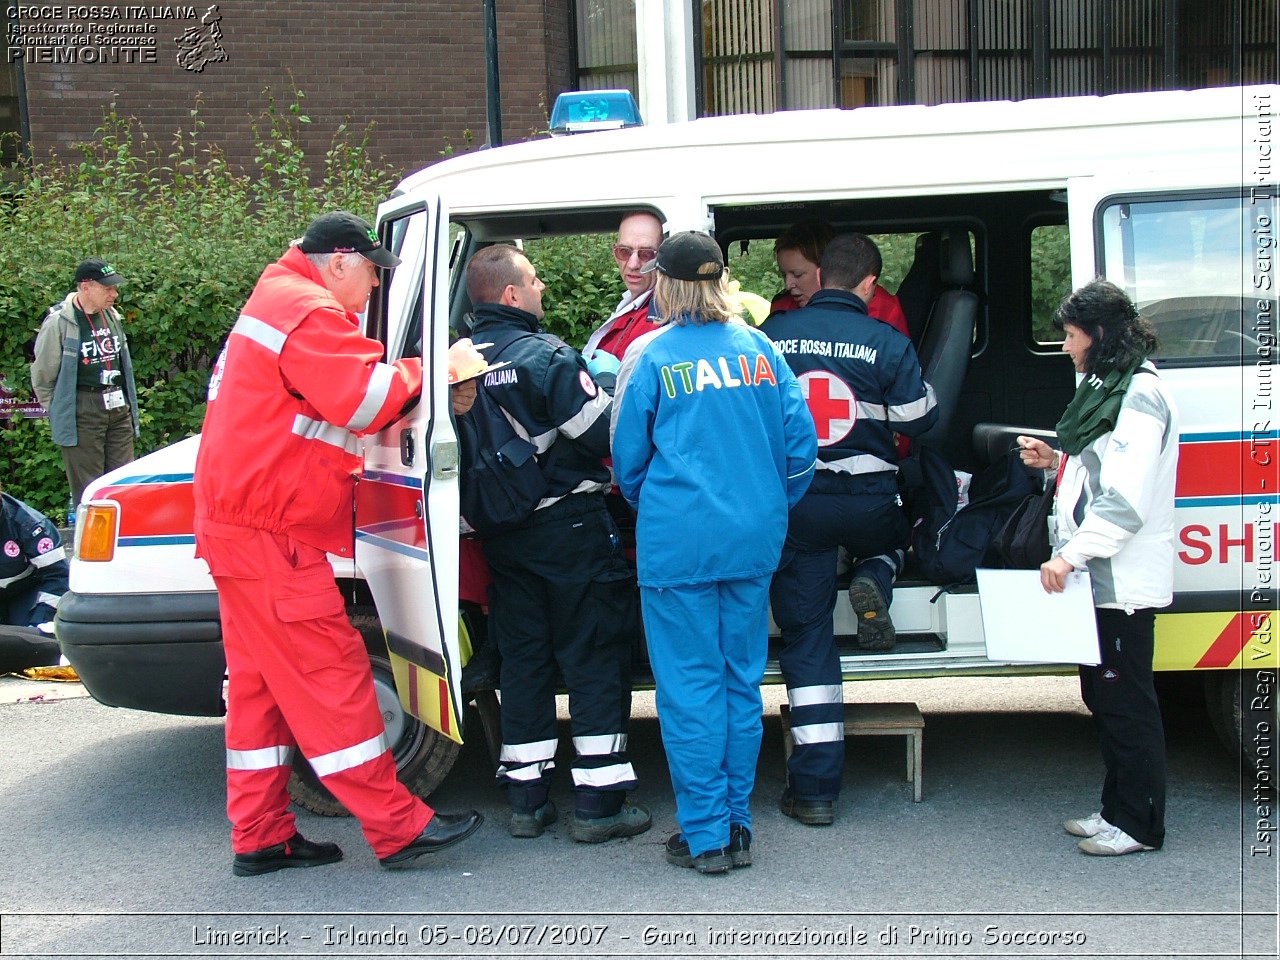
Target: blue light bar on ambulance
<point x="581" y="111"/>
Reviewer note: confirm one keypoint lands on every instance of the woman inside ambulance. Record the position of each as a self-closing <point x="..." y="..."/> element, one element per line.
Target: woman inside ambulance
<point x="798" y="251"/>
<point x="1114" y="517"/>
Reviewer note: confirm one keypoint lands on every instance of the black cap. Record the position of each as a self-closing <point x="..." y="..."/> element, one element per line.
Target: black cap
<point x="342" y="232"/>
<point x="688" y="256"/>
<point x="99" y="270"/>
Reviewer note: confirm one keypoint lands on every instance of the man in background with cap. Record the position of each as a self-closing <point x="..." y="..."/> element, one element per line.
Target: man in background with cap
<point x="83" y="375"/>
<point x="296" y="384"/>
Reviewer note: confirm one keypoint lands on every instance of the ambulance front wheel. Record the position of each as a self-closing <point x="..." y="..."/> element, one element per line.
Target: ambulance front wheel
<point x="423" y="756"/>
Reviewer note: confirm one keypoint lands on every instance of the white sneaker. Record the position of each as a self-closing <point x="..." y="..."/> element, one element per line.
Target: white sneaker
<point x="1111" y="842"/>
<point x="1089" y="826"/>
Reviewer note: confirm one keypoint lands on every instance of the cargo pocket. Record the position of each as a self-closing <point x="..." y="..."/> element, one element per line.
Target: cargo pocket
<point x="615" y="605"/>
<point x="316" y="620"/>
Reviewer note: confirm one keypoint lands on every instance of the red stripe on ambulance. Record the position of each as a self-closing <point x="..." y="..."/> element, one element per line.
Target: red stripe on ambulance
<point x="1223" y="651"/>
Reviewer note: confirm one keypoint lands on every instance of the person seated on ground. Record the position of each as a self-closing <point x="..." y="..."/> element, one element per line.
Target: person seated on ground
<point x="33" y="578"/>
<point x="799" y="251"/>
<point x="33" y="566"/>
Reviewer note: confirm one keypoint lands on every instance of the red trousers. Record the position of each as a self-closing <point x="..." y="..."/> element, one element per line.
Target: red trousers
<point x="299" y="676"/>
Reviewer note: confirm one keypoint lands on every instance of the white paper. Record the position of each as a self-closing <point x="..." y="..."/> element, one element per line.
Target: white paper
<point x="1024" y="624"/>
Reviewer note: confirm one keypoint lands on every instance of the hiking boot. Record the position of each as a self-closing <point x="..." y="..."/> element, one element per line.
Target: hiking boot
<point x="1111" y="842"/>
<point x="1089" y="826"/>
<point x="627" y="822"/>
<point x="739" y="845"/>
<point x="530" y="825"/>
<point x="297" y="851"/>
<point x="676" y="850"/>
<point x="875" y="629"/>
<point x="812" y="813"/>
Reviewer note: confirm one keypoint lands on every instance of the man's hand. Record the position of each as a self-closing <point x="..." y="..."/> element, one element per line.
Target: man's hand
<point x="463" y="396"/>
<point x="1053" y="575"/>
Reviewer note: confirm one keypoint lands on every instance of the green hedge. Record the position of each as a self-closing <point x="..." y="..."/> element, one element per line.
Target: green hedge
<point x="189" y="233"/>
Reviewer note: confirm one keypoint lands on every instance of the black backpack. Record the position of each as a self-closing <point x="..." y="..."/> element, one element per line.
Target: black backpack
<point x="500" y="478"/>
<point x="951" y="544"/>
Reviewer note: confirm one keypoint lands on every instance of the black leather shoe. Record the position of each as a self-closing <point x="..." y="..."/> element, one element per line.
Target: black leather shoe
<point x="676" y="850"/>
<point x="297" y="851"/>
<point x="739" y="845"/>
<point x="442" y="830"/>
<point x="812" y="813"/>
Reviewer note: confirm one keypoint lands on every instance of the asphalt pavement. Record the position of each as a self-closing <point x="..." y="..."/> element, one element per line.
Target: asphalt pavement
<point x="116" y="844"/>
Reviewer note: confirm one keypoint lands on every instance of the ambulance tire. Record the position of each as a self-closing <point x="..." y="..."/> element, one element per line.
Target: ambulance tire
<point x="1242" y="711"/>
<point x="423" y="756"/>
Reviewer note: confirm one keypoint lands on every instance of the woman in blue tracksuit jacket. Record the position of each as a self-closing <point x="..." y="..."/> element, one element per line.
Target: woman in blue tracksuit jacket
<point x="712" y="443"/>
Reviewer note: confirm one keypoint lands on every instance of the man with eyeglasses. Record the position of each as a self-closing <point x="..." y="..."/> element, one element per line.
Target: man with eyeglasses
<point x="296" y="384"/>
<point x="639" y="236"/>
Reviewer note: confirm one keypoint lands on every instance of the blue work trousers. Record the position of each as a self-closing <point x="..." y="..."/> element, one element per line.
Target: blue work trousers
<point x="707" y="648"/>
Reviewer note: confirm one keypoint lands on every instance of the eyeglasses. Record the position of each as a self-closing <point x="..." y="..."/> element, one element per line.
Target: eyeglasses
<point x="623" y="253"/>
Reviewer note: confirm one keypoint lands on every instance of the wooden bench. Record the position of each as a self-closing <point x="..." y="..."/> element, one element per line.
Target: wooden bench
<point x="878" y="720"/>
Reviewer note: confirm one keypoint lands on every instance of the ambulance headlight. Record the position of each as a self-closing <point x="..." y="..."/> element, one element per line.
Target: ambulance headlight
<point x="581" y="111"/>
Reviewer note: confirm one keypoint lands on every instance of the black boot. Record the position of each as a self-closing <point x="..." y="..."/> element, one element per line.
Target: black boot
<point x="297" y="851"/>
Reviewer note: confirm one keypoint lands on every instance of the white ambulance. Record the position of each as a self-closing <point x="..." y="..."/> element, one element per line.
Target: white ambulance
<point x="1170" y="195"/>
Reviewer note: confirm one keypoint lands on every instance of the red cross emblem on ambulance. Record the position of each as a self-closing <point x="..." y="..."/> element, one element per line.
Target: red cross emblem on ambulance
<point x="832" y="405"/>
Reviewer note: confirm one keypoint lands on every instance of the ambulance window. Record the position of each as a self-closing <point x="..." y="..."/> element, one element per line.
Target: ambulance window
<point x="402" y="293"/>
<point x="1200" y="268"/>
<point x="1050" y="276"/>
<point x="582" y="281"/>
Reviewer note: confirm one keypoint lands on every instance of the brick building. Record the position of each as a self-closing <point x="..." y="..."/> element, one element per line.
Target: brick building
<point x="416" y="69"/>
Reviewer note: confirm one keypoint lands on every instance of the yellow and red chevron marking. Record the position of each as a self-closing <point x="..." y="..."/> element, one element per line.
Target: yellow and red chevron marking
<point x="1225" y="640"/>
<point x="426" y="695"/>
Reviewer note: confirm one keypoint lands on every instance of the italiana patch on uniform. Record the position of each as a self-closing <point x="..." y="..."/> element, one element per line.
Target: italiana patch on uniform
<point x="11" y="548"/>
<point x="588" y="384"/>
<point x="45" y="545"/>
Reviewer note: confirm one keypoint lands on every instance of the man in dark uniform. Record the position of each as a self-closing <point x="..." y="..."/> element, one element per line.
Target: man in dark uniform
<point x="862" y="381"/>
<point x="563" y="594"/>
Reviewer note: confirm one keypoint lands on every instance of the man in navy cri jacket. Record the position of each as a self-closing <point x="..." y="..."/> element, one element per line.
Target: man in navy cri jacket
<point x="863" y="384"/>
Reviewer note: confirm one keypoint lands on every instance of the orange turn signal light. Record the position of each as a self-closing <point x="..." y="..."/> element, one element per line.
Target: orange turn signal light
<point x="96" y="532"/>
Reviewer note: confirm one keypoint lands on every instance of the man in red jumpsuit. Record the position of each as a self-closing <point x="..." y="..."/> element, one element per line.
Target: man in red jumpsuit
<point x="295" y="385"/>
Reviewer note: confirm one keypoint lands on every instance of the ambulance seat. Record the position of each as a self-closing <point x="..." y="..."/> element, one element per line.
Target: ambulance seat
<point x="947" y="340"/>
<point x="920" y="284"/>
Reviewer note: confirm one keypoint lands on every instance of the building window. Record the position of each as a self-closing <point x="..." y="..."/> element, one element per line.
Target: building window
<point x="11" y="144"/>
<point x="756" y="56"/>
<point x="606" y="45"/>
<point x="806" y="54"/>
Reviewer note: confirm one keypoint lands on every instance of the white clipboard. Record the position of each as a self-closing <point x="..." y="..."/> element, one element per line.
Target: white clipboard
<point x="1023" y="624"/>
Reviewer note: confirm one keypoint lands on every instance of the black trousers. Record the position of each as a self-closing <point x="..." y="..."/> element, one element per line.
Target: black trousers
<point x="563" y="604"/>
<point x="1121" y="694"/>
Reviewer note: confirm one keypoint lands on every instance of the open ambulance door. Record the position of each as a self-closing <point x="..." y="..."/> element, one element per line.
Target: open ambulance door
<point x="407" y="499"/>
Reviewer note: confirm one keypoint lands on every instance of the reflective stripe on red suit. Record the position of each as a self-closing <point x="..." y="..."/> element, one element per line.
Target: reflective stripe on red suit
<point x="275" y="476"/>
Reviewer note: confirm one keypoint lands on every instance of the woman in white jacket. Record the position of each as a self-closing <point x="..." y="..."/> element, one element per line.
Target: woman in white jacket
<point x="1114" y="517"/>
